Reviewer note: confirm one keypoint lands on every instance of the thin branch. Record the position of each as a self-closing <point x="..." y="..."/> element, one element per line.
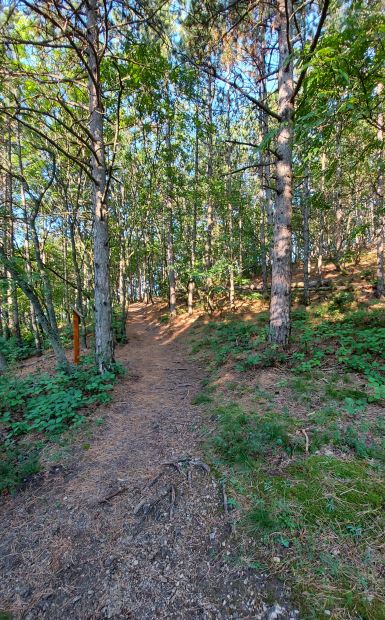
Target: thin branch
<point x="312" y="48"/>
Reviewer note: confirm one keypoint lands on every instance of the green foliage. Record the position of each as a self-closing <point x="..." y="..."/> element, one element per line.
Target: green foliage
<point x="355" y="340"/>
<point x="270" y="356"/>
<point x="13" y="352"/>
<point x="44" y="406"/>
<point x="49" y="403"/>
<point x="243" y="437"/>
<point x="201" y="399"/>
<point x="310" y="480"/>
<point x="119" y="326"/>
<point x="17" y="464"/>
<point x="311" y="504"/>
<point x="231" y="339"/>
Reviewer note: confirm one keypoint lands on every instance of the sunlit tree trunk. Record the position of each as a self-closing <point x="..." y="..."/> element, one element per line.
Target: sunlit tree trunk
<point x="281" y="268"/>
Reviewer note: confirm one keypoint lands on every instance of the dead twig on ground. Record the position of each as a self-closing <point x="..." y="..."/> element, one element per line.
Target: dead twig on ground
<point x="224" y="495"/>
<point x="306" y="440"/>
<point x="112" y="495"/>
<point x="172" y="501"/>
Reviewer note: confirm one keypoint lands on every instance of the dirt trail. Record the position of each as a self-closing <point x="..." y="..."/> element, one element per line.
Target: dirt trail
<point x="113" y="532"/>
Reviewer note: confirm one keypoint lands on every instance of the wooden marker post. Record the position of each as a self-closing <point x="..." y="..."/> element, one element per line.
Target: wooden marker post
<point x="76" y="322"/>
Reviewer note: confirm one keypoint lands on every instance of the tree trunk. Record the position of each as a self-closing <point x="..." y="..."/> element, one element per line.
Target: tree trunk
<point x="322" y="223"/>
<point x="45" y="323"/>
<point x="3" y="364"/>
<point x="209" y="211"/>
<point x="281" y="269"/>
<point x="338" y="232"/>
<point x="263" y="246"/>
<point x="240" y="229"/>
<point x="191" y="284"/>
<point x="306" y="240"/>
<point x="34" y="325"/>
<point x="381" y="215"/>
<point x="79" y="284"/>
<point x="13" y="304"/>
<point x="170" y="263"/>
<point x="230" y="210"/>
<point x="104" y="346"/>
<point x="264" y="172"/>
<point x="67" y="302"/>
<point x="170" y="233"/>
<point x="231" y="257"/>
<point x="47" y="288"/>
<point x="140" y="296"/>
<point x="123" y="288"/>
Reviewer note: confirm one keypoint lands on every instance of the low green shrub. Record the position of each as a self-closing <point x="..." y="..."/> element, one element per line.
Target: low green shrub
<point x="39" y="407"/>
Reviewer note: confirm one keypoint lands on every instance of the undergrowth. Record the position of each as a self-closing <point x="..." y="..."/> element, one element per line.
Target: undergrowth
<point x="40" y="407"/>
<point x="303" y="457"/>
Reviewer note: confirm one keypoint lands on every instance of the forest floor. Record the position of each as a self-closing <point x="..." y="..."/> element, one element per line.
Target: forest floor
<point x="127" y="521"/>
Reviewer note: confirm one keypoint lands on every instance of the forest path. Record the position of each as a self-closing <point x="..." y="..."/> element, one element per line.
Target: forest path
<point x="116" y="533"/>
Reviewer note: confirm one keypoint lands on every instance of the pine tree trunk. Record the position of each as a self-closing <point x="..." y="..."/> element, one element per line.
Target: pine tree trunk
<point x="240" y="229"/>
<point x="262" y="237"/>
<point x="321" y="223"/>
<point x="231" y="258"/>
<point x="306" y="240"/>
<point x="79" y="284"/>
<point x="170" y="263"/>
<point x="338" y="222"/>
<point x="209" y="207"/>
<point x="104" y="346"/>
<point x="34" y="324"/>
<point x="123" y="288"/>
<point x="381" y="215"/>
<point x="230" y="211"/>
<point x="191" y="284"/>
<point x="140" y="295"/>
<point x="264" y="172"/>
<point x="281" y="269"/>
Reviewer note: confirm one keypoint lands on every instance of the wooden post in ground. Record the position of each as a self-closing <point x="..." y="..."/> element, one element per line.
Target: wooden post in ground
<point x="76" y="323"/>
